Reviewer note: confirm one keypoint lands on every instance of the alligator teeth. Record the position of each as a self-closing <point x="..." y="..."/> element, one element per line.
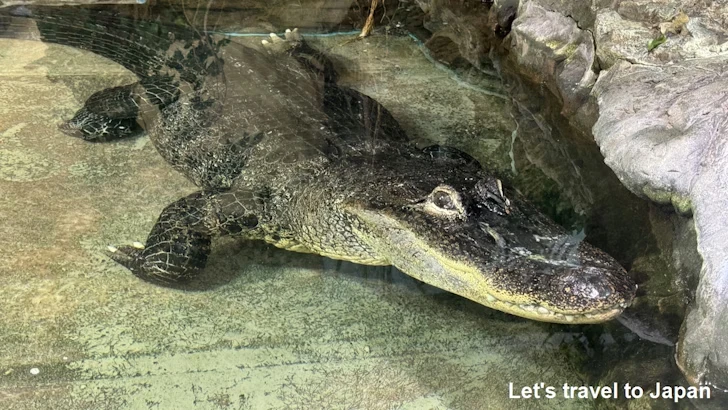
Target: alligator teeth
<point x="112" y="248"/>
<point x="528" y="308"/>
<point x="541" y="310"/>
<point x="137" y="245"/>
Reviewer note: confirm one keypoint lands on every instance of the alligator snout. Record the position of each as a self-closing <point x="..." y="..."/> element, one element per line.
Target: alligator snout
<point x="588" y="289"/>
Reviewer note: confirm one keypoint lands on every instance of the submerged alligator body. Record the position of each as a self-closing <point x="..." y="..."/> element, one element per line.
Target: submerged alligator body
<point x="283" y="154"/>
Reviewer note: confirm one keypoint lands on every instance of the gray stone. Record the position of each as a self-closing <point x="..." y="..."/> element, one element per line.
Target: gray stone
<point x="463" y="24"/>
<point x="582" y="12"/>
<point x="551" y="49"/>
<point x="620" y="38"/>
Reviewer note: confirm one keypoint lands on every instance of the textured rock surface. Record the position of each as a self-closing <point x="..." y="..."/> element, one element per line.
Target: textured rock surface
<point x="550" y="48"/>
<point x="618" y="37"/>
<point x="462" y="23"/>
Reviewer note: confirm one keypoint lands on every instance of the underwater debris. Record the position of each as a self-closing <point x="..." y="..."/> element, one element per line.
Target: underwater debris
<point x="369" y="24"/>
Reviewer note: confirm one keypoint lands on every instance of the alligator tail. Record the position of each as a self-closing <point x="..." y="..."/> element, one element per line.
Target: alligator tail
<point x="147" y="48"/>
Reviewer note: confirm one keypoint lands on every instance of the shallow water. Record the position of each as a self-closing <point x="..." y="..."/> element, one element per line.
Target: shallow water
<point x="265" y="328"/>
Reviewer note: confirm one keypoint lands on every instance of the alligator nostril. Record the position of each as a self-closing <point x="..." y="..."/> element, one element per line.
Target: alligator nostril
<point x="587" y="283"/>
<point x="493" y="234"/>
<point x="597" y="286"/>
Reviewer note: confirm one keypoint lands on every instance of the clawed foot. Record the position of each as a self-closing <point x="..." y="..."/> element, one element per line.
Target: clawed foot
<point x="163" y="263"/>
<point x="277" y="44"/>
<point x="129" y="257"/>
<point x="95" y="128"/>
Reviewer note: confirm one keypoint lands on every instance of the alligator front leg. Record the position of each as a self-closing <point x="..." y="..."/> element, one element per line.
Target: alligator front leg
<point x="112" y="113"/>
<point x="106" y="115"/>
<point x="178" y="245"/>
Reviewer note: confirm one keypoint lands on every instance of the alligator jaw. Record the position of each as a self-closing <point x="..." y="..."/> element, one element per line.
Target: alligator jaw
<point x="489" y="284"/>
<point x="486" y="293"/>
<point x="543" y="314"/>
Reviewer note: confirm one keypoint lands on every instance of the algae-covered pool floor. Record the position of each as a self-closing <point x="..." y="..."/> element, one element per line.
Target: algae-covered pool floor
<point x="264" y="328"/>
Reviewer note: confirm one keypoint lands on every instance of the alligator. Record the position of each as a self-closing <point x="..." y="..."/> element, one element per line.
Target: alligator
<point x="284" y="154"/>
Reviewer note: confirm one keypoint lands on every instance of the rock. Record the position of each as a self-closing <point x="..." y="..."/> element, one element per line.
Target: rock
<point x="644" y="114"/>
<point x="686" y="37"/>
<point x="463" y="23"/>
<point x="251" y="16"/>
<point x="551" y="49"/>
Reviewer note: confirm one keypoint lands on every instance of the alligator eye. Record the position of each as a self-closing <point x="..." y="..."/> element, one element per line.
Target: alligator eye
<point x="444" y="201"/>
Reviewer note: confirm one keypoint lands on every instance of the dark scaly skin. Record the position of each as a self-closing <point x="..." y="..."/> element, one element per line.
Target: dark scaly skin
<point x="283" y="154"/>
<point x="178" y="245"/>
<point x="107" y="115"/>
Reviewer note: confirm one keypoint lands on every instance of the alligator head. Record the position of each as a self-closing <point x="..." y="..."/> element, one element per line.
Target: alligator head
<point x="441" y="219"/>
